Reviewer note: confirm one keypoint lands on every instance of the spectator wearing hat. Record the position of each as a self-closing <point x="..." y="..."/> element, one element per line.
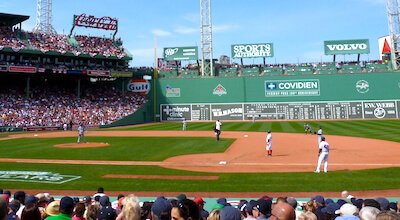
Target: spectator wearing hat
<point x="181" y="197"/>
<point x="347" y="212"/>
<point x="262" y="210"/>
<point x="223" y="201"/>
<point x="106" y="211"/>
<point x="100" y="192"/>
<point x="368" y="213"/>
<point x="3" y="209"/>
<point x="187" y="210"/>
<point x="393" y="207"/>
<point x="161" y="209"/>
<point x="330" y="210"/>
<point x="130" y="208"/>
<point x="52" y="209"/>
<point x="372" y="203"/>
<point x="200" y="203"/>
<point x="383" y="202"/>
<point x="282" y="211"/>
<point x="319" y="203"/>
<point x="66" y="209"/>
<point x="230" y="213"/>
<point x="249" y="210"/>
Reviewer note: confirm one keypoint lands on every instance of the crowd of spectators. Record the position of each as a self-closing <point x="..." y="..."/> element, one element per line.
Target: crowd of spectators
<point x="97" y="45"/>
<point x="56" y="106"/>
<point x="59" y="43"/>
<point x="50" y="42"/>
<point x="22" y="206"/>
<point x="8" y="38"/>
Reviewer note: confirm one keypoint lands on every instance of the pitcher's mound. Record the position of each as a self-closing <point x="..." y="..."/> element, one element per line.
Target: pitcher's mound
<point x="82" y="145"/>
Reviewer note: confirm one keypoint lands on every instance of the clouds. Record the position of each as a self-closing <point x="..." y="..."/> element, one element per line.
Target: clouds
<point x="161" y="33"/>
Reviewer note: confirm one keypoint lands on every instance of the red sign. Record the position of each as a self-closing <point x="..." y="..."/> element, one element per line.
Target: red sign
<point x="105" y="22"/>
<point x="22" y="69"/>
<point x="3" y="68"/>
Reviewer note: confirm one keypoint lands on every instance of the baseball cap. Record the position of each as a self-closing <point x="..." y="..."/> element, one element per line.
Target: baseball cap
<point x="372" y="203"/>
<point x="181" y="197"/>
<point x="331" y="208"/>
<point x="292" y="202"/>
<point x="222" y="201"/>
<point x="199" y="201"/>
<point x="87" y="199"/>
<point x="66" y="204"/>
<point x="160" y="206"/>
<point x="319" y="199"/>
<point x="230" y="213"/>
<point x="383" y="202"/>
<point x="264" y="206"/>
<point x="250" y="205"/>
<point x="346" y="209"/>
<point x="104" y="201"/>
<point x="31" y="199"/>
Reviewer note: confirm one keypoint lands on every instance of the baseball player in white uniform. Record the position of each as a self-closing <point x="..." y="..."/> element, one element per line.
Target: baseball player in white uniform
<point x="323" y="155"/>
<point x="319" y="134"/>
<point x="217" y="129"/>
<point x="184" y="125"/>
<point x="269" y="144"/>
<point x="81" y="134"/>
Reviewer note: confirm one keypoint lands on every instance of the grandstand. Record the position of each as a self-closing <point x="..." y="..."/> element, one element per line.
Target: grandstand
<point x="48" y="80"/>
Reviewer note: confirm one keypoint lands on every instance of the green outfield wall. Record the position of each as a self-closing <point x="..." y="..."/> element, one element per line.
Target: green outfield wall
<point x="347" y="96"/>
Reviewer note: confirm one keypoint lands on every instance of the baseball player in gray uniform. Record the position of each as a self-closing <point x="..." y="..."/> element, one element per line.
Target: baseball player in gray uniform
<point x="269" y="144"/>
<point x="184" y="125"/>
<point x="81" y="134"/>
<point x="323" y="153"/>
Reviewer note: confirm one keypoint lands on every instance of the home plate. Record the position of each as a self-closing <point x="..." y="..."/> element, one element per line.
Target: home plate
<point x="245" y="135"/>
<point x="222" y="162"/>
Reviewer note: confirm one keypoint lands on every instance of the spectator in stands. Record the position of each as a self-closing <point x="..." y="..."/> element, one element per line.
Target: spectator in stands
<point x="131" y="208"/>
<point x="79" y="211"/>
<point x="387" y="215"/>
<point x="161" y="209"/>
<point x="307" y="216"/>
<point x="31" y="212"/>
<point x="92" y="212"/>
<point x="229" y="213"/>
<point x="214" y="215"/>
<point x="262" y="209"/>
<point x="66" y="209"/>
<point x="3" y="209"/>
<point x="368" y="213"/>
<point x="282" y="211"/>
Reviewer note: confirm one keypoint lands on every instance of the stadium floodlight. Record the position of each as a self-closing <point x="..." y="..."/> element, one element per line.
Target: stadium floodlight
<point x="207" y="66"/>
<point x="393" y="13"/>
<point x="44" y="17"/>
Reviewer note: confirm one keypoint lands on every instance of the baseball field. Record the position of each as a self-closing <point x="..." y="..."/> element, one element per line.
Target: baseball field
<point x="160" y="158"/>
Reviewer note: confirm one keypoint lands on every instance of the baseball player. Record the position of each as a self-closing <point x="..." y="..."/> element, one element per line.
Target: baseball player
<point x="323" y="153"/>
<point x="217" y="129"/>
<point x="269" y="144"/>
<point x="319" y="134"/>
<point x="81" y="133"/>
<point x="307" y="128"/>
<point x="184" y="125"/>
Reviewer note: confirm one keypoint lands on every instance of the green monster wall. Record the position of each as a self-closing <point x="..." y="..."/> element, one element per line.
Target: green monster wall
<point x="338" y="96"/>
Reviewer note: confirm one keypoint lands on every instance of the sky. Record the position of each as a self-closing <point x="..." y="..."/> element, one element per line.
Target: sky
<point x="297" y="28"/>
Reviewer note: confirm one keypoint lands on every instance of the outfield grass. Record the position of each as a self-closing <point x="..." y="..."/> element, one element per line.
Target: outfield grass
<point x="121" y="148"/>
<point x="91" y="178"/>
<point x="161" y="148"/>
<point x="379" y="129"/>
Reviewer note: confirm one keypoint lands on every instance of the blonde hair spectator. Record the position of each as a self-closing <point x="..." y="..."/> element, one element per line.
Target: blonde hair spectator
<point x="131" y="208"/>
<point x="307" y="216"/>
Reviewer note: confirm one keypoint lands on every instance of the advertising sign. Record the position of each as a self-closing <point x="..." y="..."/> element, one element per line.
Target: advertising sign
<point x="300" y="87"/>
<point x="252" y="50"/>
<point x="227" y="112"/>
<point x="334" y="47"/>
<point x="181" y="53"/>
<point x="175" y="112"/>
<point x="140" y="86"/>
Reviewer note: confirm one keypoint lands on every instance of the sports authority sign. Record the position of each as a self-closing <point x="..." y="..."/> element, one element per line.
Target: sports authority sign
<point x="181" y="53"/>
<point x="301" y="87"/>
<point x="140" y="86"/>
<point x="252" y="50"/>
<point x="334" y="47"/>
<point x="36" y="177"/>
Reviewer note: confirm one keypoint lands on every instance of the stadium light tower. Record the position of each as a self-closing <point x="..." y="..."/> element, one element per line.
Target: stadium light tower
<point x="207" y="66"/>
<point x="393" y="13"/>
<point x="44" y="17"/>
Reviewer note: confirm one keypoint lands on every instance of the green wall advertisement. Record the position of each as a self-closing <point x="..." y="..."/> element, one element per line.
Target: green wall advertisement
<point x="334" y="47"/>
